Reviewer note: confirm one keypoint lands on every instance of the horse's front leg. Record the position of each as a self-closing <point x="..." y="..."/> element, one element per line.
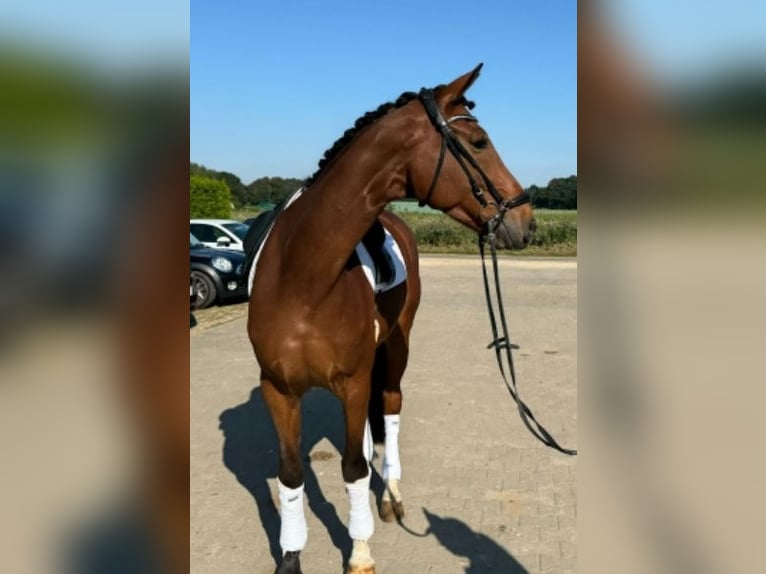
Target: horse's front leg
<point x="355" y="467"/>
<point x="285" y="411"/>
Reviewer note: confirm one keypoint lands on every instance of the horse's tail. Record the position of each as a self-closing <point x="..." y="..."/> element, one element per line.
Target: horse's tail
<point x="375" y="407"/>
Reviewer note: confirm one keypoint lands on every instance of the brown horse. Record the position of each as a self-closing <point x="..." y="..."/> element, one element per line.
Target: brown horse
<point x="314" y="320"/>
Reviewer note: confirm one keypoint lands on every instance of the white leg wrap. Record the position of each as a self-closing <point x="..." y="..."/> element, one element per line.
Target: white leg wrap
<point x="367" y="443"/>
<point x="293" y="531"/>
<point x="392" y="468"/>
<point x="360" y="523"/>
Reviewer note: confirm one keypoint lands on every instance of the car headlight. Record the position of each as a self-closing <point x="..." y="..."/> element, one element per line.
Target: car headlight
<point x="222" y="264"/>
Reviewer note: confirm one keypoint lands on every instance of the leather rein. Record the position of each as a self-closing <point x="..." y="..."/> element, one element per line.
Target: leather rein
<point x="502" y="343"/>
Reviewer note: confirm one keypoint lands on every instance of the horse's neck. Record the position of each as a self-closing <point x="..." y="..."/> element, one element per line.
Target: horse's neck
<point x="333" y="215"/>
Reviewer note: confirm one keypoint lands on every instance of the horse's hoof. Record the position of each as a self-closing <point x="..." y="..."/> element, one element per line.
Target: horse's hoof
<point x="391" y="510"/>
<point x="291" y="564"/>
<point x="361" y="569"/>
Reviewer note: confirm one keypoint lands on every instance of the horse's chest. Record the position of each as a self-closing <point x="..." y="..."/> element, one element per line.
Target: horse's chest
<point x="299" y="351"/>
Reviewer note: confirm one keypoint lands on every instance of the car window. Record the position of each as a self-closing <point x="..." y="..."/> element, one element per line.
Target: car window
<point x="205" y="232"/>
<point x="238" y="229"/>
<point x="193" y="241"/>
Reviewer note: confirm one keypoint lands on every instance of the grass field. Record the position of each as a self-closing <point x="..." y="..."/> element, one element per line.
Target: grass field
<point x="437" y="233"/>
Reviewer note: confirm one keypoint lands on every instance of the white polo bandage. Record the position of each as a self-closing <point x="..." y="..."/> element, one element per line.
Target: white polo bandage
<point x="360" y="523"/>
<point x="367" y="444"/>
<point x="293" y="531"/>
<point x="392" y="468"/>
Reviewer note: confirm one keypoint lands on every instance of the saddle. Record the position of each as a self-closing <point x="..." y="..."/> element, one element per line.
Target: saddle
<point x="259" y="230"/>
<point x="374" y="242"/>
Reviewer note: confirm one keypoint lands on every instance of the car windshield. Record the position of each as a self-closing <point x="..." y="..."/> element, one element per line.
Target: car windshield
<point x="238" y="229"/>
<point x="194" y="242"/>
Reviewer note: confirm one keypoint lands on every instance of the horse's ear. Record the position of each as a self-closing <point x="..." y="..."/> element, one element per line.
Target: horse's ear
<point x="455" y="90"/>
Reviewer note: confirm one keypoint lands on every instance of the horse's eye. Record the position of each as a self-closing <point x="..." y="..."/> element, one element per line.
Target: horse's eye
<point x="481" y="144"/>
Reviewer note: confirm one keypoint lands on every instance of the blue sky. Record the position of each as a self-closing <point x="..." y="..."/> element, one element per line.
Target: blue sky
<point x="273" y="84"/>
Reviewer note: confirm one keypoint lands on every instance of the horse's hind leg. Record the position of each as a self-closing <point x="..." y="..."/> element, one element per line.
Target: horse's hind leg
<point x="286" y="413"/>
<point x="397" y="352"/>
<point x="355" y="467"/>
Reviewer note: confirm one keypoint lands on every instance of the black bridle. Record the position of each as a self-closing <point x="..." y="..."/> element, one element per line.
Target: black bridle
<point x="462" y="155"/>
<point x="502" y="344"/>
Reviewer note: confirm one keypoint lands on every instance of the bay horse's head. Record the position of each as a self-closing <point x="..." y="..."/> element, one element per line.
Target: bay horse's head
<point x="455" y="168"/>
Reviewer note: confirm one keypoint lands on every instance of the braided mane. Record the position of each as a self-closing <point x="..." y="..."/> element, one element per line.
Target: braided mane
<point x="361" y="123"/>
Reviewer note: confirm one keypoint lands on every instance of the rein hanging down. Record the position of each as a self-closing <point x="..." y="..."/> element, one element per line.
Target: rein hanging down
<point x="502" y="343"/>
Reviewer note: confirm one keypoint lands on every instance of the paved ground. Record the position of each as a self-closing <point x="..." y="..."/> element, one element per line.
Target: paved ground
<point x="483" y="494"/>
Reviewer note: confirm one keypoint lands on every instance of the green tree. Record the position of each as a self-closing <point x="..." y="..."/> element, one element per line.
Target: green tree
<point x="239" y="192"/>
<point x="563" y="192"/>
<point x="534" y="192"/>
<point x="197" y="169"/>
<point x="560" y="193"/>
<point x="209" y="197"/>
<point x="272" y="189"/>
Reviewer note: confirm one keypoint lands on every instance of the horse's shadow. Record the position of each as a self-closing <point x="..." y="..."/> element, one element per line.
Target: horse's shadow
<point x="251" y="453"/>
<point x="484" y="554"/>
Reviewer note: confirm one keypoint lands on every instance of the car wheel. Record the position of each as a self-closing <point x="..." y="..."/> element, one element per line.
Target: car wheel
<point x="205" y="289"/>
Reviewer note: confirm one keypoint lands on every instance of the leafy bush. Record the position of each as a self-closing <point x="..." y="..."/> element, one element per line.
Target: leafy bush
<point x="554" y="231"/>
<point x="209" y="198"/>
<point x="436" y="233"/>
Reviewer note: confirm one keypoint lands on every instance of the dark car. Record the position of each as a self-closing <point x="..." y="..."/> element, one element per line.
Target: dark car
<point x="217" y="274"/>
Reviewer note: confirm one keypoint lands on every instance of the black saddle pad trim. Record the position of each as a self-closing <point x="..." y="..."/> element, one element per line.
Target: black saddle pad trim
<point x="374" y="241"/>
<point x="258" y="231"/>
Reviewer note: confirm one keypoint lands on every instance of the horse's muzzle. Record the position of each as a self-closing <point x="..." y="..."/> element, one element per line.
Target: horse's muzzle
<point x="511" y="233"/>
